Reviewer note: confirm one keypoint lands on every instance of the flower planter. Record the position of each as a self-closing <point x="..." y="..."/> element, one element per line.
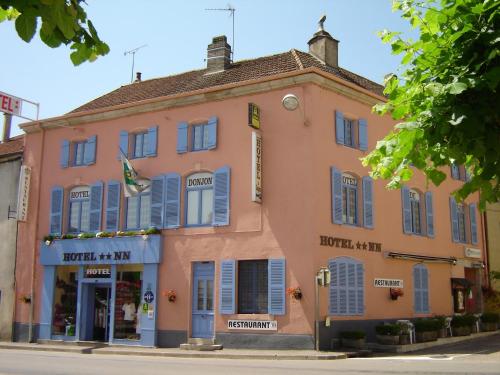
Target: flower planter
<point x="388" y="340"/>
<point x="442" y="333"/>
<point x="461" y="331"/>
<point x="353" y="343"/>
<point x="404" y="339"/>
<point x="426" y="336"/>
<point x="488" y="327"/>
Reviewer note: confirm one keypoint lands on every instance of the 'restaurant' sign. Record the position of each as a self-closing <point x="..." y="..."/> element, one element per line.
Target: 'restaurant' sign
<point x="470" y="252"/>
<point x="23" y="193"/>
<point x="387" y="283"/>
<point x="10" y="104"/>
<point x="253" y="116"/>
<point x="256" y="167"/>
<point x="261" y="325"/>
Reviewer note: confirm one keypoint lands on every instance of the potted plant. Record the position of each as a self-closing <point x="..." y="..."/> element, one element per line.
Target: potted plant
<point x="25" y="298"/>
<point x="388" y="334"/>
<point x="426" y="329"/>
<point x="489" y="321"/>
<point x="461" y="325"/>
<point x="395" y="293"/>
<point x="353" y="339"/>
<point x="295" y="293"/>
<point x="171" y="295"/>
<point x="441" y="324"/>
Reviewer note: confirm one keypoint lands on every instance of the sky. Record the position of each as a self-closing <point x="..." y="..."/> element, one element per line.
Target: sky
<point x="176" y="35"/>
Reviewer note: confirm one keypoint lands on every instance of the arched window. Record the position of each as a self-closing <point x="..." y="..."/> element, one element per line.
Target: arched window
<point x="349" y="199"/>
<point x="416" y="222"/>
<point x="199" y="199"/>
<point x="79" y="209"/>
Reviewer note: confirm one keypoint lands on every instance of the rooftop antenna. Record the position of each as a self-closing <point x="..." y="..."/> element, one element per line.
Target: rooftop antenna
<point x="231" y="10"/>
<point x="132" y="52"/>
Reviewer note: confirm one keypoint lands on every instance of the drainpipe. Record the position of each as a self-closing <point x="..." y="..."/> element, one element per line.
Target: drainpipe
<point x="33" y="266"/>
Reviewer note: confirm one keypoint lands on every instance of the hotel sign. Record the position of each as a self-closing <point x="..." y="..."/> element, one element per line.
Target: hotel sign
<point x="256" y="167"/>
<point x="387" y="283"/>
<point x="10" y="104"/>
<point x="345" y="243"/>
<point x="253" y="116"/>
<point x="256" y="325"/>
<point x="23" y="193"/>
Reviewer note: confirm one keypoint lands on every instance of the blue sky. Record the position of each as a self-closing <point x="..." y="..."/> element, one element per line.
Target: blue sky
<point x="177" y="34"/>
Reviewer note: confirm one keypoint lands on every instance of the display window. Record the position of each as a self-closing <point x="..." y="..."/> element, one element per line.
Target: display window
<point x="128" y="302"/>
<point x="65" y="301"/>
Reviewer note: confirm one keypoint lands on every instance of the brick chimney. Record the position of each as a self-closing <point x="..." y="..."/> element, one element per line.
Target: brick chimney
<point x="218" y="55"/>
<point x="324" y="47"/>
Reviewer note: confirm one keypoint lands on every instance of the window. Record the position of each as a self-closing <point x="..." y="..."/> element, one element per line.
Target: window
<point x="128" y="302"/>
<point x="78" y="153"/>
<point x="463" y="217"/>
<point x="139" y="211"/>
<point x="349" y="199"/>
<point x="347" y="203"/>
<point x="79" y="210"/>
<point x="140" y="145"/>
<point x="260" y="285"/>
<point x="201" y="136"/>
<point x="420" y="289"/>
<point x="461" y="222"/>
<point x="415" y="212"/>
<point x="252" y="287"/>
<point x="351" y="132"/>
<point x="199" y="199"/>
<point x="65" y="301"/>
<point x="459" y="172"/>
<point x="346" y="286"/>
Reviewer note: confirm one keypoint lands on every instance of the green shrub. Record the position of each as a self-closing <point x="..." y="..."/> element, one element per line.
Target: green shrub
<point x="153" y="230"/>
<point x="352" y="335"/>
<point x="86" y="235"/>
<point x="68" y="236"/>
<point x="467" y="320"/>
<point x="388" y="329"/>
<point x="427" y="325"/>
<point x="441" y="320"/>
<point x="49" y="238"/>
<point x="490" y="317"/>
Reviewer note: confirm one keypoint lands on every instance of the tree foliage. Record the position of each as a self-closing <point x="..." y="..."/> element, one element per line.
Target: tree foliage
<point x="62" y="22"/>
<point x="447" y="98"/>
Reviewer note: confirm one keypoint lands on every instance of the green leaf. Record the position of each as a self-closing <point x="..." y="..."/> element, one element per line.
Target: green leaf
<point x="26" y="26"/>
<point x="48" y="36"/>
<point x="456" y="88"/>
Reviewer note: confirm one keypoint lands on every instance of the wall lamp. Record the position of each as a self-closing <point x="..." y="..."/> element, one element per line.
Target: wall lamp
<point x="291" y="102"/>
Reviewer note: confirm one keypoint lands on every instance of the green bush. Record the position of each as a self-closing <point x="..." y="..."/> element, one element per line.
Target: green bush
<point x="68" y="236"/>
<point x="86" y="235"/>
<point x="49" y="238"/>
<point x="153" y="230"/>
<point x="427" y="325"/>
<point x="352" y="335"/>
<point x="467" y="320"/>
<point x="490" y="317"/>
<point x="388" y="329"/>
<point x="442" y="321"/>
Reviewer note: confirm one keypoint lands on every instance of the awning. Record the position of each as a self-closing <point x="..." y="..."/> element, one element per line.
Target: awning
<point x="422" y="258"/>
<point x="460" y="283"/>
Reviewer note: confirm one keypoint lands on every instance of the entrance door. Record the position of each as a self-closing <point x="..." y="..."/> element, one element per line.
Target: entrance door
<point x="95" y="312"/>
<point x="203" y="300"/>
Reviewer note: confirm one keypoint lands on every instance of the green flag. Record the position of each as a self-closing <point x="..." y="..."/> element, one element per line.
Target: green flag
<point x="132" y="183"/>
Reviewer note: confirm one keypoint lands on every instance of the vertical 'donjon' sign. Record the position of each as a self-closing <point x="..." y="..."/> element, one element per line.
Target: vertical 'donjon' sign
<point x="256" y="167"/>
<point x="23" y="193"/>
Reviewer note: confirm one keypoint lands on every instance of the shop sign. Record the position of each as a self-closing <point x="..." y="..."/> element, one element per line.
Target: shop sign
<point x="344" y="243"/>
<point x="90" y="256"/>
<point x="472" y="253"/>
<point x="97" y="273"/>
<point x="388" y="283"/>
<point x="149" y="297"/>
<point x="257" y="325"/>
<point x="200" y="180"/>
<point x="23" y="193"/>
<point x="256" y="167"/>
<point x="253" y="116"/>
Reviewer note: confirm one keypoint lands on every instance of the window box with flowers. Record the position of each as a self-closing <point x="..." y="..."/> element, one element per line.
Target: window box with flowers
<point x="395" y="293"/>
<point x="294" y="293"/>
<point x="170" y="294"/>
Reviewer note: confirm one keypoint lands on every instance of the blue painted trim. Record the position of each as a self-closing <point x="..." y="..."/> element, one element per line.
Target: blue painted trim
<point x="49" y="281"/>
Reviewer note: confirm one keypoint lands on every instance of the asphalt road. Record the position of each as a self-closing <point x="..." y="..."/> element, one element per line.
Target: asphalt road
<point x="481" y="356"/>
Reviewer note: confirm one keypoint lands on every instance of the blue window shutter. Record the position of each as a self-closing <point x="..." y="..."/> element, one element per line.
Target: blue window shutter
<point x="424" y="280"/>
<point x="95" y="206"/>
<point x="342" y="283"/>
<point x="454" y="220"/>
<point x="339" y="127"/>
<point x="473" y="224"/>
<point x="417" y="289"/>
<point x="212" y="133"/>
<point x="405" y="202"/>
<point x="227" y="287"/>
<point x="333" y="308"/>
<point x="56" y="206"/>
<point x="336" y="177"/>
<point x="152" y="143"/>
<point x="222" y="178"/>
<point x="429" y="212"/>
<point x="113" y="206"/>
<point x="172" y="200"/>
<point x="368" y="202"/>
<point x="123" y="144"/>
<point x="64" y="154"/>
<point x="363" y="134"/>
<point x="182" y="137"/>
<point x="360" y="289"/>
<point x="276" y="286"/>
<point x="157" y="190"/>
<point x="90" y="150"/>
<point x="351" y="288"/>
<point x="455" y="171"/>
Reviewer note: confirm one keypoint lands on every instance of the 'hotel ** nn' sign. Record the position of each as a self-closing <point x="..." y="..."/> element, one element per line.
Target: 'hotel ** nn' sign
<point x="256" y="167"/>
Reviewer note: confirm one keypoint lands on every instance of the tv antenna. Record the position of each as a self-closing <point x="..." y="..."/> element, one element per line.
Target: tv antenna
<point x="231" y="10"/>
<point x="132" y="52"/>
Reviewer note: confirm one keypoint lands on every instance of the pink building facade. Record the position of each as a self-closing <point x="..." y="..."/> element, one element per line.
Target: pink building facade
<point x="245" y="216"/>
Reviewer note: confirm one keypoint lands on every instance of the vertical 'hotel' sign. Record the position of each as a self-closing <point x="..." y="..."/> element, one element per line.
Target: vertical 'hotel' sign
<point x="23" y="193"/>
<point x="256" y="167"/>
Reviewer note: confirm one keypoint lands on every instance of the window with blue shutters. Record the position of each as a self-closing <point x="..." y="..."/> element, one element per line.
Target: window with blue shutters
<point x="95" y="207"/>
<point x="420" y="289"/>
<point x="157" y="201"/>
<point x="459" y="172"/>
<point x="172" y="200"/>
<point x="227" y="287"/>
<point x="222" y="190"/>
<point x="56" y="207"/>
<point x="368" y="202"/>
<point x="197" y="137"/>
<point x="138" y="211"/>
<point x="349" y="199"/>
<point x="140" y="144"/>
<point x="415" y="208"/>
<point x="79" y="209"/>
<point x="113" y="206"/>
<point x="473" y="224"/>
<point x="351" y="132"/>
<point x="199" y="199"/>
<point x="253" y="287"/>
<point x="78" y="153"/>
<point x="347" y="290"/>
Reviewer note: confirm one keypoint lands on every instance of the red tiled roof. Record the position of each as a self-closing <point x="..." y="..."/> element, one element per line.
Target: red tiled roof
<point x="239" y="71"/>
<point x="12" y="146"/>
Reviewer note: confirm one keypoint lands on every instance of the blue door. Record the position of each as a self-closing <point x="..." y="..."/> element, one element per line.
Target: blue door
<point x="203" y="300"/>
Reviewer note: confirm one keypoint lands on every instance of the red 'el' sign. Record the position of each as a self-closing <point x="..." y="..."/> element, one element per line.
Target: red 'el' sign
<point x="10" y="104"/>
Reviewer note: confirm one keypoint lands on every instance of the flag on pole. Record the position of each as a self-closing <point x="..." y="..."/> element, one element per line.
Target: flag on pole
<point x="133" y="184"/>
